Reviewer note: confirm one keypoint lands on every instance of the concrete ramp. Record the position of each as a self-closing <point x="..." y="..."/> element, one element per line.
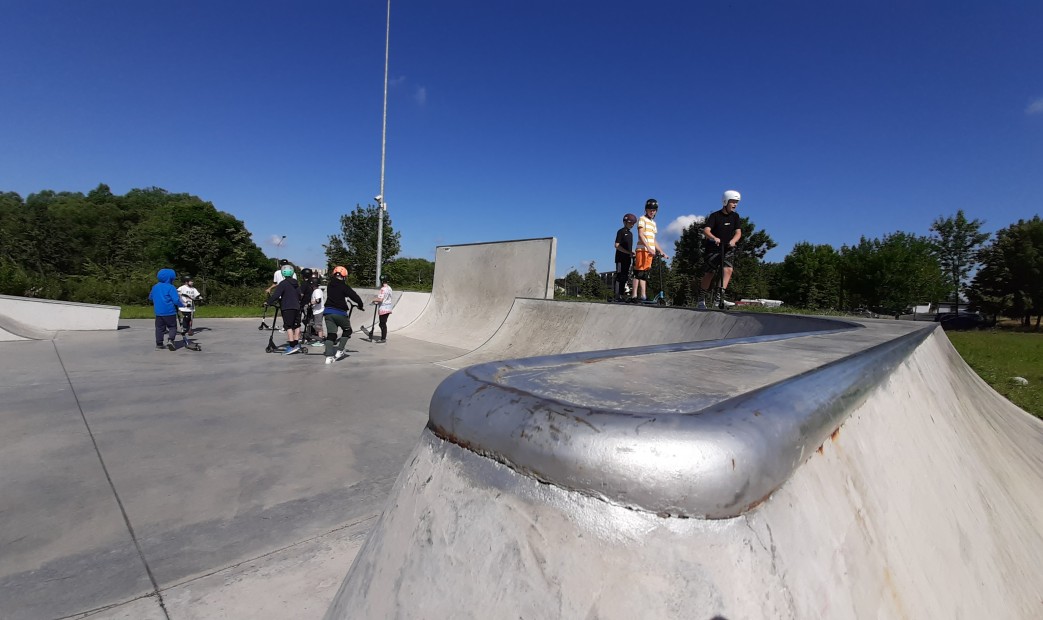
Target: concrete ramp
<point x="864" y="473"/>
<point x="39" y="319"/>
<point x="408" y="306"/>
<point x="543" y="327"/>
<point x="11" y="329"/>
<point x="475" y="286"/>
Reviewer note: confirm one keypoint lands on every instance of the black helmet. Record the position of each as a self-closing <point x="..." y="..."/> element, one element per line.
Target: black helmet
<point x="384" y="278"/>
<point x="307" y="273"/>
<point x="283" y="261"/>
<point x="629" y="218"/>
<point x="651" y="203"/>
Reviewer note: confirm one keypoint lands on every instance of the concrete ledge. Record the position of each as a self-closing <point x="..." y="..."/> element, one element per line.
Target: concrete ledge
<point x="715" y="461"/>
<point x="49" y="315"/>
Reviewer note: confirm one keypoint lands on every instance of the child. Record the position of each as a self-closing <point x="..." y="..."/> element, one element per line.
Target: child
<point x="309" y="286"/>
<point x="317" y="309"/>
<point x="288" y="293"/>
<point x="189" y="296"/>
<point x="165" y="301"/>
<point x="339" y="298"/>
<point x="384" y="305"/>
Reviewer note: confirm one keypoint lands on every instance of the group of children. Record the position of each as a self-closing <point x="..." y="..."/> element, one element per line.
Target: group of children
<point x="329" y="313"/>
<point x="721" y="232"/>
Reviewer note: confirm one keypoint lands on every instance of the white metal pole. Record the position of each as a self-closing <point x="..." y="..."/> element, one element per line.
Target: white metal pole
<point x="381" y="207"/>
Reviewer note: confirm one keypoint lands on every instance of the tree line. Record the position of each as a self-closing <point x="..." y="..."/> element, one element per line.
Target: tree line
<point x="999" y="275"/>
<point x="106" y="248"/>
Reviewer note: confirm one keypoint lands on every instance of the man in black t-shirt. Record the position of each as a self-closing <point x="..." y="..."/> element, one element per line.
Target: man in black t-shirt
<point x="624" y="256"/>
<point x="721" y="231"/>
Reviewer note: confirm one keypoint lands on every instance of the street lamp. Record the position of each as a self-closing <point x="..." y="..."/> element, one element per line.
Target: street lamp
<point x="381" y="206"/>
<point x="278" y="247"/>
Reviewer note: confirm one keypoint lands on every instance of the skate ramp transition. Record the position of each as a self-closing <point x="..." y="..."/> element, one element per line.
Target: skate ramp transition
<point x="408" y="305"/>
<point x="27" y="318"/>
<point x="538" y="327"/>
<point x="859" y="471"/>
<point x="475" y="286"/>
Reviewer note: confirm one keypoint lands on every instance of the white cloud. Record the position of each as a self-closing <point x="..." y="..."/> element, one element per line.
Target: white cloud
<point x="421" y="95"/>
<point x="397" y="81"/>
<point x="676" y="227"/>
<point x="1036" y="107"/>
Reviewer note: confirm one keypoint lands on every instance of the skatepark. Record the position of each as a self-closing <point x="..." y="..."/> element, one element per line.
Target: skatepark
<point x="507" y="455"/>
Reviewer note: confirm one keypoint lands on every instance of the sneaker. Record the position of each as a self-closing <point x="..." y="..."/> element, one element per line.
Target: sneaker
<point x="339" y="355"/>
<point x="701" y="305"/>
<point x="159" y="346"/>
<point x="381" y="341"/>
<point x="170" y="346"/>
<point x="329" y="359"/>
<point x="294" y="349"/>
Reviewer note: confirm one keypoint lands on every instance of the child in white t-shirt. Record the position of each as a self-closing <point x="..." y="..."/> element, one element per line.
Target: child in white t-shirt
<point x="317" y="308"/>
<point x="189" y="294"/>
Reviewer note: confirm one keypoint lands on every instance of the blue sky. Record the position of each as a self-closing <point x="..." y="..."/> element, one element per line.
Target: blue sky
<point x="521" y="119"/>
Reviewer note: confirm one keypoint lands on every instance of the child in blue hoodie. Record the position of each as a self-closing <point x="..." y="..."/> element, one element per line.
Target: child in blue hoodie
<point x="165" y="301"/>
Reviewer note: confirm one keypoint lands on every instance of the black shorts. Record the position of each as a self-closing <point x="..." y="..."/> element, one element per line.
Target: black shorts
<point x="291" y="318"/>
<point x="712" y="257"/>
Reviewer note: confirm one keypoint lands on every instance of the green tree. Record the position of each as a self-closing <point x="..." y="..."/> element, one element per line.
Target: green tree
<point x="573" y="284"/>
<point x="1010" y="281"/>
<point x="888" y="275"/>
<point x="809" y="277"/>
<point x="104" y="248"/>
<point x="356" y="245"/>
<point x="411" y="273"/>
<point x="593" y="286"/>
<point x="686" y="264"/>
<point x="957" y="241"/>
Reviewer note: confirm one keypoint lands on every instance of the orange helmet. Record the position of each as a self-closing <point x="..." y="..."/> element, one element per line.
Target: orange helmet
<point x="340" y="271"/>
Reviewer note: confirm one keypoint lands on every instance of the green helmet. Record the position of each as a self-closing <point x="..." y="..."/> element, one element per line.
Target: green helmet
<point x="287" y="271"/>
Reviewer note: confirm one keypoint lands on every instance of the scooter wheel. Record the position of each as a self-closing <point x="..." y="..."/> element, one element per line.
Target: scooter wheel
<point x="269" y="349"/>
<point x="304" y="350"/>
<point x="260" y="328"/>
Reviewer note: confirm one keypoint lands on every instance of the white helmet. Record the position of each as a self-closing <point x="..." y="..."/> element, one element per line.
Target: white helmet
<point x="730" y="195"/>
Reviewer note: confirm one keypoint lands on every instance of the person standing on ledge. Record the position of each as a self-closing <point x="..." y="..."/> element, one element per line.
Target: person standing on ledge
<point x="646" y="250"/>
<point x="721" y="232"/>
<point x="624" y="256"/>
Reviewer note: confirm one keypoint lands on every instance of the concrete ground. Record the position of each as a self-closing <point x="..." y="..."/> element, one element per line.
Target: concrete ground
<point x="226" y="483"/>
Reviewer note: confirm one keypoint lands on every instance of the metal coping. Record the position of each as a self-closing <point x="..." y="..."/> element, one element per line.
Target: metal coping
<point x="715" y="463"/>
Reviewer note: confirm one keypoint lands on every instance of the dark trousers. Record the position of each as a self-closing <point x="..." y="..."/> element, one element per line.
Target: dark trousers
<point x="334" y="321"/>
<point x="384" y="326"/>
<point x="166" y="324"/>
<point x="619" y="286"/>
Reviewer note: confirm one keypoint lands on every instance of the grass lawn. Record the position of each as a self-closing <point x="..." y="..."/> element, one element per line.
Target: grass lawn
<point x="203" y="312"/>
<point x="999" y="355"/>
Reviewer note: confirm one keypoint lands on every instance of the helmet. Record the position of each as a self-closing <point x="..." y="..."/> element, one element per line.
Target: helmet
<point x="283" y="261"/>
<point x="287" y="271"/>
<point x="340" y="272"/>
<point x="651" y="203"/>
<point x="629" y="218"/>
<point x="730" y="195"/>
<point x="307" y="273"/>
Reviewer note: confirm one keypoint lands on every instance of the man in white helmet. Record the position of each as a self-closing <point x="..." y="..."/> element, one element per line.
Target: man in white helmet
<point x="721" y="231"/>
